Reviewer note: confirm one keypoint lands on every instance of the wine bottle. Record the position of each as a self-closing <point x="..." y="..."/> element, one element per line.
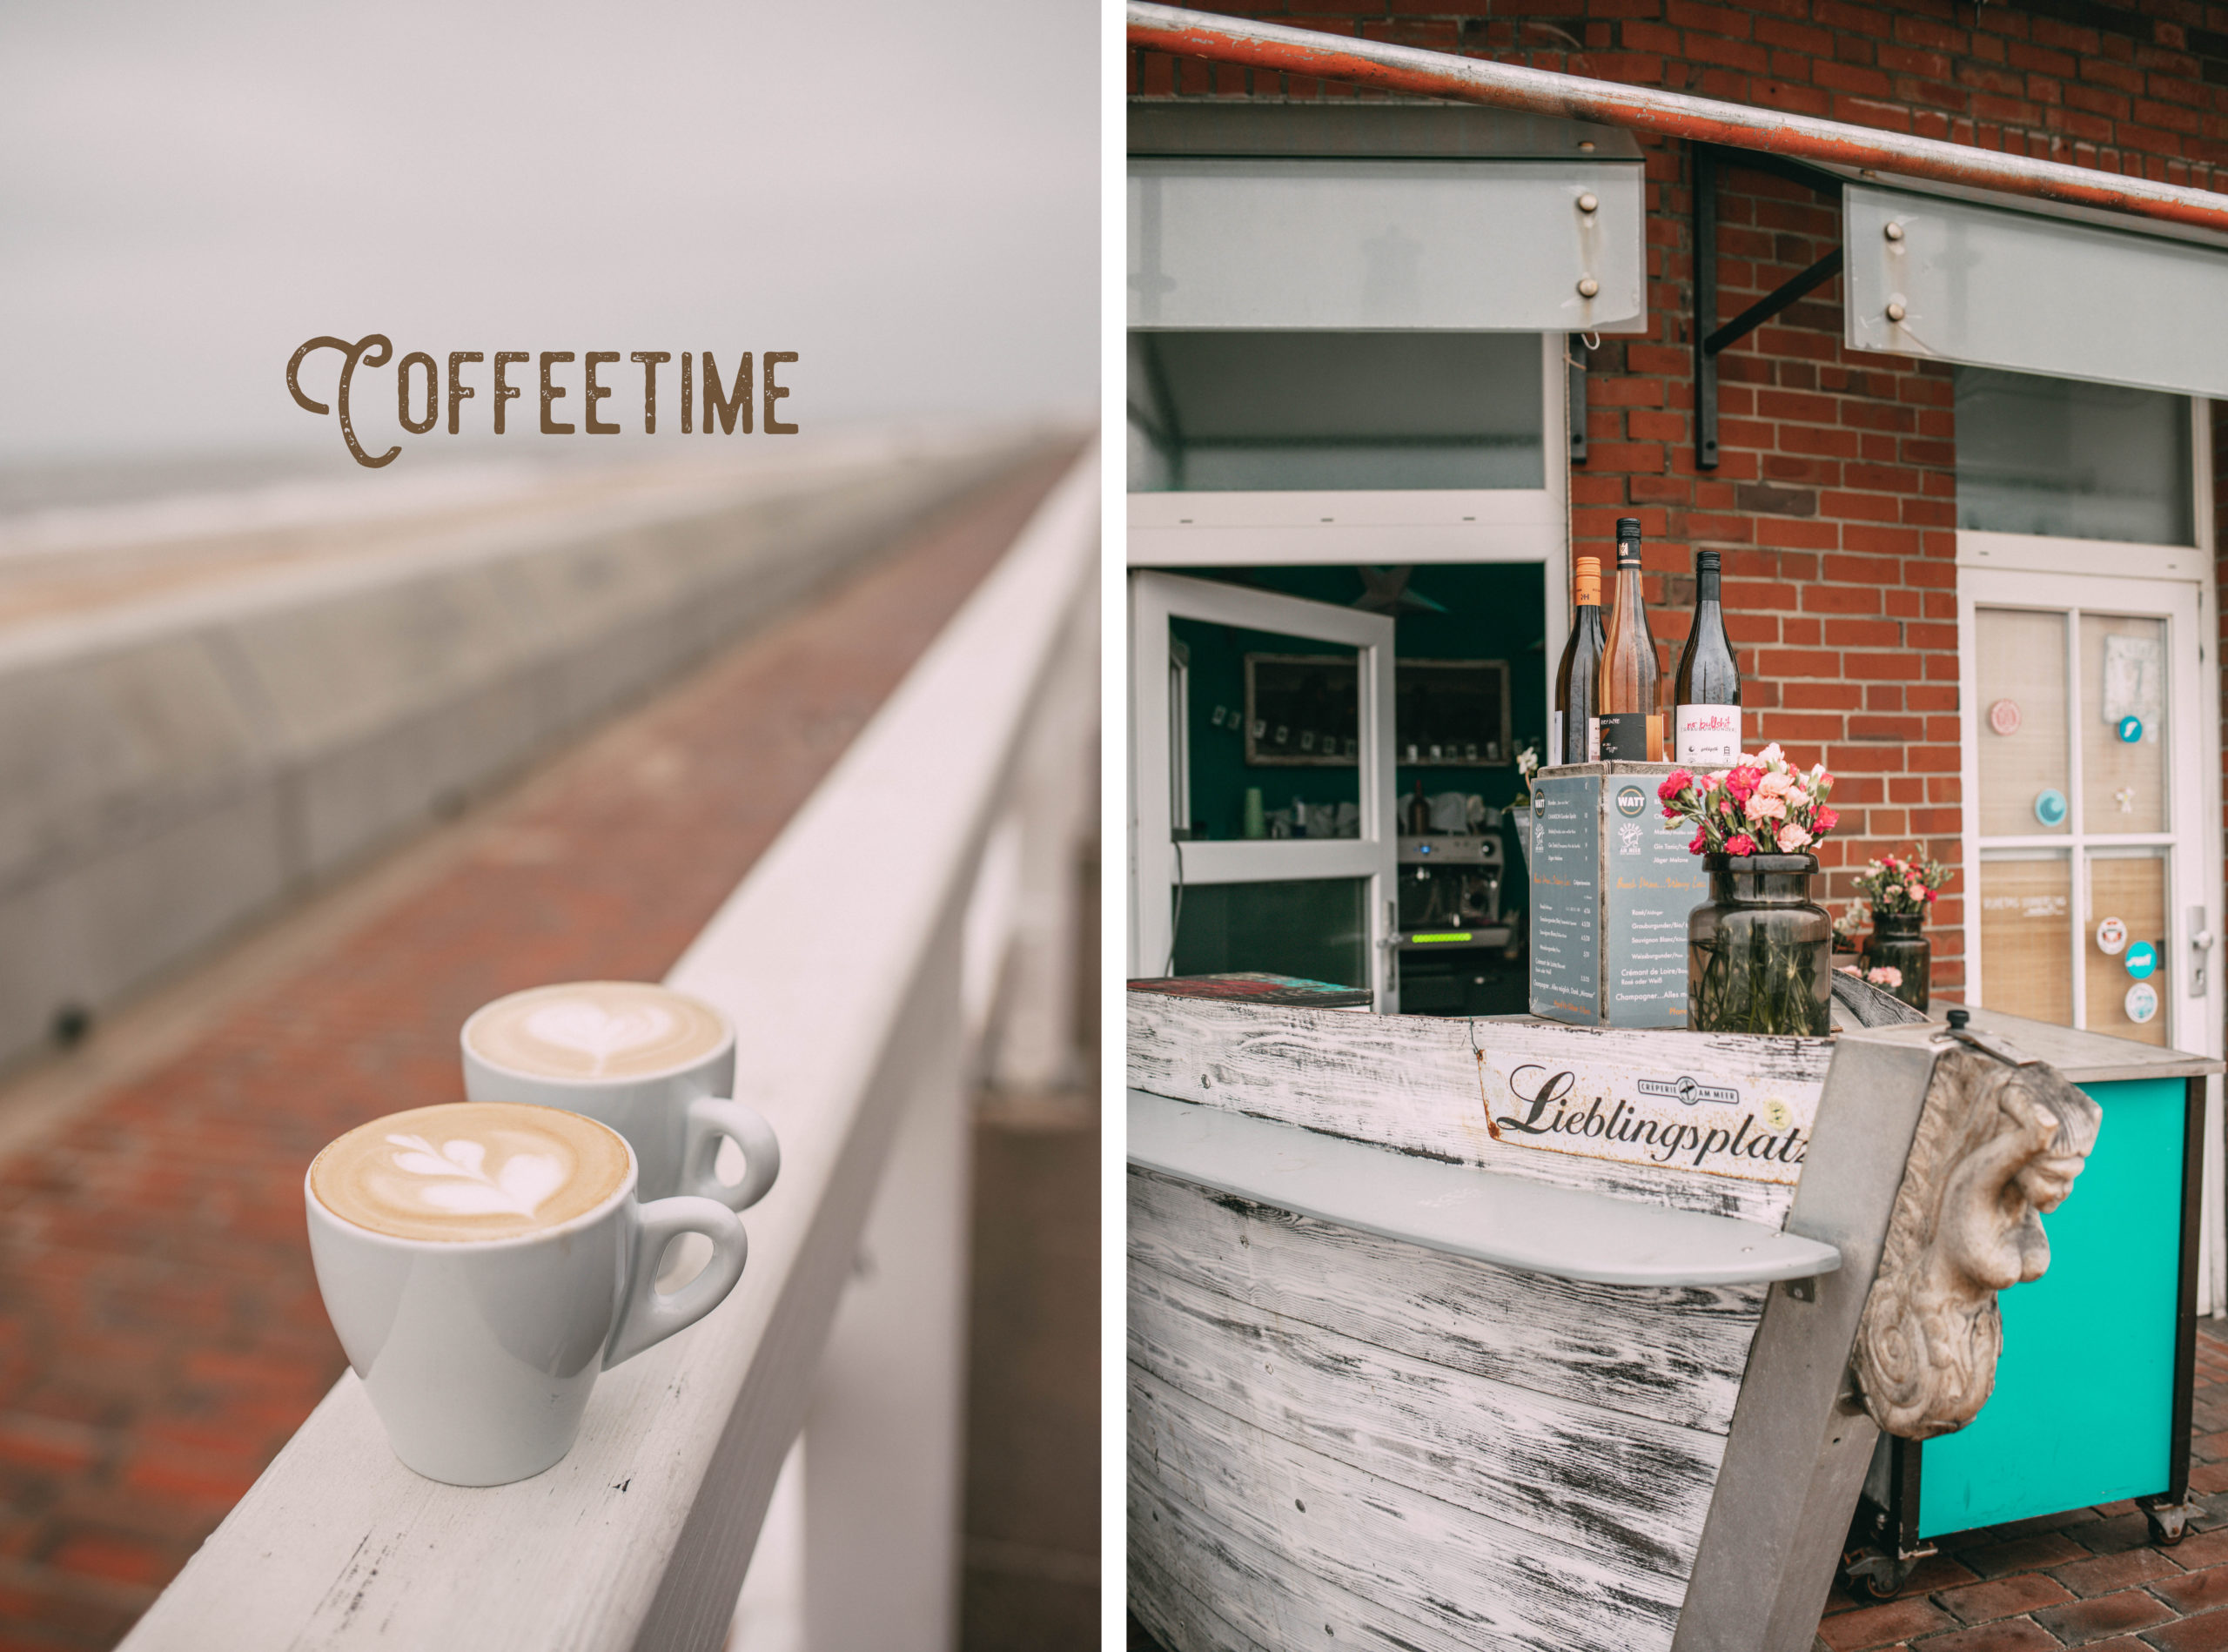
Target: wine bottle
<point x="1575" y="735"/>
<point x="1632" y="727"/>
<point x="1708" y="696"/>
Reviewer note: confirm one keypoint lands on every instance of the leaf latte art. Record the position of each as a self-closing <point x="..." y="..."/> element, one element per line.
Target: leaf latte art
<point x="472" y="1171"/>
<point x="593" y="1030"/>
<point x="521" y="1186"/>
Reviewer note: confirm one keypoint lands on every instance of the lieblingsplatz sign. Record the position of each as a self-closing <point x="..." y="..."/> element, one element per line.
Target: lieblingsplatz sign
<point x="1723" y="1118"/>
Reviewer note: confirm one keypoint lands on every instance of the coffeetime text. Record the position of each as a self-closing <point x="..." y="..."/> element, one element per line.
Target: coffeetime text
<point x="419" y="396"/>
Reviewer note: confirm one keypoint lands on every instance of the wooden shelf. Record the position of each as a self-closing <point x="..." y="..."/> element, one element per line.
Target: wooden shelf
<point x="1459" y="1210"/>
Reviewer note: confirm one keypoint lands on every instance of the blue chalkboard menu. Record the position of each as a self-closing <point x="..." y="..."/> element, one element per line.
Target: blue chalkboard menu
<point x="1566" y="872"/>
<point x="1612" y="886"/>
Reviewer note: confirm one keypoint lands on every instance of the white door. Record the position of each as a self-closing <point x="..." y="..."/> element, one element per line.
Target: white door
<point x="2092" y="897"/>
<point x="1262" y="825"/>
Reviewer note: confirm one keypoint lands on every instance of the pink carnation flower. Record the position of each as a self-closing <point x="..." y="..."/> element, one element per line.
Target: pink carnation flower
<point x="1674" y="783"/>
<point x="1792" y="837"/>
<point x="1741" y="781"/>
<point x="1825" y="819"/>
<point x="1740" y="843"/>
<point x="1762" y="806"/>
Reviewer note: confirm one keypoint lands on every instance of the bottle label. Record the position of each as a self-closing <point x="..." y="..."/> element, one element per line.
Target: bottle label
<point x="1709" y="734"/>
<point x="1593" y="740"/>
<point x="1628" y="737"/>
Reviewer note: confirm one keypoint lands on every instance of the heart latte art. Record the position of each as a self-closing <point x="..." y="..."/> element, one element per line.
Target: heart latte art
<point x="595" y="1030"/>
<point x="478" y="1169"/>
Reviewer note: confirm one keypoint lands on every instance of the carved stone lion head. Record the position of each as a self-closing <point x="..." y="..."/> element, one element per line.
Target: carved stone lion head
<point x="1996" y="1145"/>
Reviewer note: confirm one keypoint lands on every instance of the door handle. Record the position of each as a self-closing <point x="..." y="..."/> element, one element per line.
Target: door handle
<point x="2201" y="944"/>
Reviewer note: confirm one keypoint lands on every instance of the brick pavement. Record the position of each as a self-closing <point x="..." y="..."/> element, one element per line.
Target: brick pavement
<point x="160" y="1333"/>
<point x="2088" y="1578"/>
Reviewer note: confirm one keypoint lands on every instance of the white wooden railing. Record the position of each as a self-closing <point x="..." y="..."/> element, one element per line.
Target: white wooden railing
<point x="860" y="1034"/>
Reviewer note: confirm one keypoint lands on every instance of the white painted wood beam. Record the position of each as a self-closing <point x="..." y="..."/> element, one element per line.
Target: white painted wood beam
<point x="1561" y="1232"/>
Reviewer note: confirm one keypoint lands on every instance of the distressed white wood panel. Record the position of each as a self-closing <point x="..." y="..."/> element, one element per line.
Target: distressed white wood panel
<point x="1176" y="1616"/>
<point x="1630" y="1492"/>
<point x="1676" y="1354"/>
<point x="1481" y="1581"/>
<point x="1415" y="1084"/>
<point x="1180" y="1559"/>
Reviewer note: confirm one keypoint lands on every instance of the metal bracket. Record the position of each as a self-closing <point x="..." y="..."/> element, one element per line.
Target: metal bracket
<point x="1709" y="339"/>
<point x="1578" y="357"/>
<point x="1987" y="1043"/>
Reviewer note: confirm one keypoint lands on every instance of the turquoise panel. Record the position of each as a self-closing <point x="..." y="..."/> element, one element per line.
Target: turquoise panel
<point x="2082" y="1410"/>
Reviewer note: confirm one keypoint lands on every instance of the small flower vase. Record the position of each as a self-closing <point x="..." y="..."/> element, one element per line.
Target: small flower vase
<point x="1759" y="954"/>
<point x="1899" y="943"/>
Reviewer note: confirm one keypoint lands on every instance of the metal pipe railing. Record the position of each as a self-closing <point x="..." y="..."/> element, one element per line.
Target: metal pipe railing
<point x="1437" y="74"/>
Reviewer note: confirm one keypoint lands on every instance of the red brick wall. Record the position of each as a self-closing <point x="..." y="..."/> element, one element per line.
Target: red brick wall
<point x="1835" y="498"/>
<point x="1834" y="503"/>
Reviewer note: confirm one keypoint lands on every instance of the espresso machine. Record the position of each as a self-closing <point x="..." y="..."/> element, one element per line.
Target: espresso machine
<point x="1451" y="934"/>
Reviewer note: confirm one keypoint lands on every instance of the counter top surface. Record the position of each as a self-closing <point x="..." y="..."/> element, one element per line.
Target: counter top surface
<point x="1458" y="1209"/>
<point x="2088" y="1057"/>
<point x="2084" y="1058"/>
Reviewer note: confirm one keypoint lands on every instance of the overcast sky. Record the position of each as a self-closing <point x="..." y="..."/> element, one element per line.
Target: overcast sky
<point x="904" y="194"/>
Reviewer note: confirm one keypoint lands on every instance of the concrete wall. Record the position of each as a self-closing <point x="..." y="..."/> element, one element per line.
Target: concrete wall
<point x="172" y="769"/>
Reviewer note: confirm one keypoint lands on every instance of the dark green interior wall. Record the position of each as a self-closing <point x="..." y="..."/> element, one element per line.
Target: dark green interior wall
<point x="1220" y="774"/>
<point x="1494" y="611"/>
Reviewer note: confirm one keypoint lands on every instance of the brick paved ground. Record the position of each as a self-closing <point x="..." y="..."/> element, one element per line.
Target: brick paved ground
<point x="2088" y="1578"/>
<point x="161" y="1334"/>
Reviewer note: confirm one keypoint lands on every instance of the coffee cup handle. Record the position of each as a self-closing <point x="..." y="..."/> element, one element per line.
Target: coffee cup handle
<point x="647" y="1316"/>
<point x="711" y="1120"/>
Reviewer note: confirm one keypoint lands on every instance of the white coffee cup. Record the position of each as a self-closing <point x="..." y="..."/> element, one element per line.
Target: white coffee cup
<point x="675" y="1115"/>
<point x="480" y="1355"/>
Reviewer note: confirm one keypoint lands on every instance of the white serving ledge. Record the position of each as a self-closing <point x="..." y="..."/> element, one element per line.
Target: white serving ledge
<point x="1458" y="1209"/>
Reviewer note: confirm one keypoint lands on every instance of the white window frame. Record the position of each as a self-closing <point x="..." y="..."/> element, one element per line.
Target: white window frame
<point x="1384" y="528"/>
<point x="1159" y="865"/>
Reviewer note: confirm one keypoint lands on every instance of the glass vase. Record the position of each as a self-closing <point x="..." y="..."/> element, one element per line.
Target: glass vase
<point x="1759" y="954"/>
<point x="1899" y="943"/>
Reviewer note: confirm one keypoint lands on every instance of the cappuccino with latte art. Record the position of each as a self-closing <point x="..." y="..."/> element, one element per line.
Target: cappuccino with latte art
<point x="656" y="1065"/>
<point x="481" y="1261"/>
<point x="591" y="1029"/>
<point x="477" y="1169"/>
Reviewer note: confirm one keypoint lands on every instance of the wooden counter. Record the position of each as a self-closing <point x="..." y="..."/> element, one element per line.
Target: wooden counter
<point x="1500" y="1334"/>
